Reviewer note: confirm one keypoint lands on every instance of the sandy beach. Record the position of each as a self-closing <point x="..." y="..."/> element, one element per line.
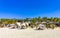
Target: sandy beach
<point x="29" y="33"/>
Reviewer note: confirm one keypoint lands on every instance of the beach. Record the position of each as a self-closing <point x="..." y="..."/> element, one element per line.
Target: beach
<point x="29" y="33"/>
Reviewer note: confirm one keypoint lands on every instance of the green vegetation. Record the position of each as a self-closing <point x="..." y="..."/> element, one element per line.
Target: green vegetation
<point x="52" y="26"/>
<point x="8" y="21"/>
<point x="47" y="26"/>
<point x="32" y="21"/>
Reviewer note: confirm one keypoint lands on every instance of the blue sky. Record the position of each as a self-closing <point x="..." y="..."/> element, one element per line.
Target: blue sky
<point x="29" y="8"/>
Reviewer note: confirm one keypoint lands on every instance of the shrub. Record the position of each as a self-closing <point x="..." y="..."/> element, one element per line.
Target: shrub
<point x="47" y="26"/>
<point x="52" y="26"/>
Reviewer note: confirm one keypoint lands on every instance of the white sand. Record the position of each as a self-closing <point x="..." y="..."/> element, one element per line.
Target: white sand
<point x="29" y="33"/>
